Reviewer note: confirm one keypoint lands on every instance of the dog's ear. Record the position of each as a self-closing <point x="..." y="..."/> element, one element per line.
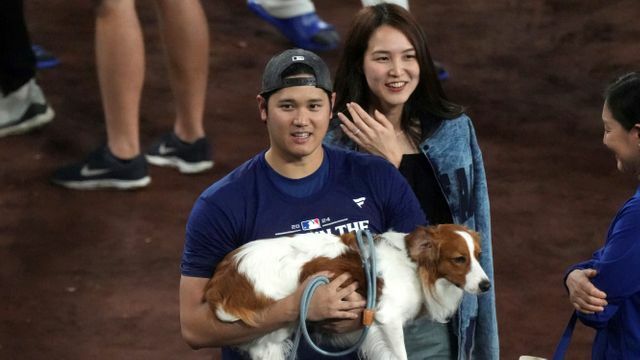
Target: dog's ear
<point x="423" y="245"/>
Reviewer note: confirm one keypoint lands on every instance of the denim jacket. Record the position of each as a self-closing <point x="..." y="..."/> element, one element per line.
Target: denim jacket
<point x="453" y="152"/>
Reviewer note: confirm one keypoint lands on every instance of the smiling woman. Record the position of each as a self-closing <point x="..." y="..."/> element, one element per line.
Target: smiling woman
<point x="621" y="118"/>
<point x="390" y="103"/>
<point x="622" y="142"/>
<point x="603" y="290"/>
<point x="391" y="69"/>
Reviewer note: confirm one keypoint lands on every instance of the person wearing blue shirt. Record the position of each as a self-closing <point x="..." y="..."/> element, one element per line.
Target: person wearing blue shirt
<point x="297" y="185"/>
<point x="605" y="290"/>
<point x="390" y="103"/>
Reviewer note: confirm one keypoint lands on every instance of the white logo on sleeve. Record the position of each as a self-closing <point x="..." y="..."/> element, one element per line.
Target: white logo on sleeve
<point x="359" y="201"/>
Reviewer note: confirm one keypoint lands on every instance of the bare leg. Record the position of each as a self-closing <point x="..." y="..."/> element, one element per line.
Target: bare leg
<point x="120" y="62"/>
<point x="186" y="36"/>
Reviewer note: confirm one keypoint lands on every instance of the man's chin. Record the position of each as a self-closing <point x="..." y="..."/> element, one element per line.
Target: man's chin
<point x="303" y="152"/>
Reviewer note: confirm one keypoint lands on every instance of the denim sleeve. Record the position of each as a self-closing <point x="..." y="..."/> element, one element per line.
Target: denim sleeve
<point x="486" y="343"/>
<point x="335" y="137"/>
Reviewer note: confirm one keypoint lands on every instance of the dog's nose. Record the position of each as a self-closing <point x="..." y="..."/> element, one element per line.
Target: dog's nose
<point x="484" y="285"/>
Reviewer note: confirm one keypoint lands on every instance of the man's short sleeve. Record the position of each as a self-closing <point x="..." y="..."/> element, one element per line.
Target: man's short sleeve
<point x="209" y="237"/>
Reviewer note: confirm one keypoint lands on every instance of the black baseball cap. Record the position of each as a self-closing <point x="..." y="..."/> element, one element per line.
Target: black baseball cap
<point x="272" y="79"/>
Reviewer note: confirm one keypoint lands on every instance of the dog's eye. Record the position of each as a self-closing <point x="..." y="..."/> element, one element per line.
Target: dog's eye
<point x="459" y="260"/>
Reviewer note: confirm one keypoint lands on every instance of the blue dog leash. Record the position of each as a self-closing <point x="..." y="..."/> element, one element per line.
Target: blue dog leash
<point x="367" y="255"/>
<point x="563" y="345"/>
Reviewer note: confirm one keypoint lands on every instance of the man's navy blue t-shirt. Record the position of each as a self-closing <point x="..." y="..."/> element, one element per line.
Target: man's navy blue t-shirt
<point x="361" y="191"/>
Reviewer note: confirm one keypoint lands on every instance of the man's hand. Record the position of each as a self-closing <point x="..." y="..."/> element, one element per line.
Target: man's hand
<point x="344" y="326"/>
<point x="583" y="295"/>
<point x="332" y="301"/>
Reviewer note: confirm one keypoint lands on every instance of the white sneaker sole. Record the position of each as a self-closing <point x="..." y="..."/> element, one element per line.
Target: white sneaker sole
<point x="182" y="166"/>
<point x="28" y="125"/>
<point x="105" y="184"/>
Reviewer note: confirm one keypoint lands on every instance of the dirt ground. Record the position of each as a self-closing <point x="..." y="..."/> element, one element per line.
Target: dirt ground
<point x="94" y="275"/>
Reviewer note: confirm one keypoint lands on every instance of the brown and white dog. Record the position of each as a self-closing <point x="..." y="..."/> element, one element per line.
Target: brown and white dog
<point x="423" y="272"/>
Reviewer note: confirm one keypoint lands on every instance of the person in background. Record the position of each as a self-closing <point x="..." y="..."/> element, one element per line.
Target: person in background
<point x="23" y="106"/>
<point x="605" y="290"/>
<point x="389" y="102"/>
<point x="120" y="164"/>
<point x="298" y="21"/>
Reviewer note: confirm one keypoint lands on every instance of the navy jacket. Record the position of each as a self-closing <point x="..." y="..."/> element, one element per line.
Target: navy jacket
<point x="618" y="266"/>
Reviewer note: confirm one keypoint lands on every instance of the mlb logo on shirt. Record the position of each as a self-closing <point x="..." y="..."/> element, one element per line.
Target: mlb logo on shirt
<point x="310" y="224"/>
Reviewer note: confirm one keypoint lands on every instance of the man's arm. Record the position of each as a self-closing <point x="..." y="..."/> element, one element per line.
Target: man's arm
<point x="201" y="328"/>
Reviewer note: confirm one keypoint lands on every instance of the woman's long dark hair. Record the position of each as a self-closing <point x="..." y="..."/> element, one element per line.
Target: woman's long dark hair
<point x="623" y="99"/>
<point x="426" y="103"/>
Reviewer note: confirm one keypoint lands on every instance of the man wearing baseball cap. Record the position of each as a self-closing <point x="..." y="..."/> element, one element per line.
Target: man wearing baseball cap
<point x="297" y="185"/>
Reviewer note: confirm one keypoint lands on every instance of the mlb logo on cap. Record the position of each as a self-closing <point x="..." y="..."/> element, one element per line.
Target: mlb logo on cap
<point x="273" y="79"/>
<point x="310" y="224"/>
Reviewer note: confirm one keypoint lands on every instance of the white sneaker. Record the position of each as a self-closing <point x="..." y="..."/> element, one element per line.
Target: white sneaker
<point x="23" y="110"/>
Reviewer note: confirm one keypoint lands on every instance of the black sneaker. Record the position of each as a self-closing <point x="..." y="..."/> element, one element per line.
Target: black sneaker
<point x="187" y="158"/>
<point x="103" y="170"/>
<point x="24" y="110"/>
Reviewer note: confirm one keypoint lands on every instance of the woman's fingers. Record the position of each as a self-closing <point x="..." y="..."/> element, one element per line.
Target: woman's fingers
<point x="351" y="130"/>
<point x="587" y="308"/>
<point x="597" y="293"/>
<point x="362" y="119"/>
<point x="380" y="118"/>
<point x="362" y="123"/>
<point x="350" y="126"/>
<point x="588" y="299"/>
<point x="356" y="109"/>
